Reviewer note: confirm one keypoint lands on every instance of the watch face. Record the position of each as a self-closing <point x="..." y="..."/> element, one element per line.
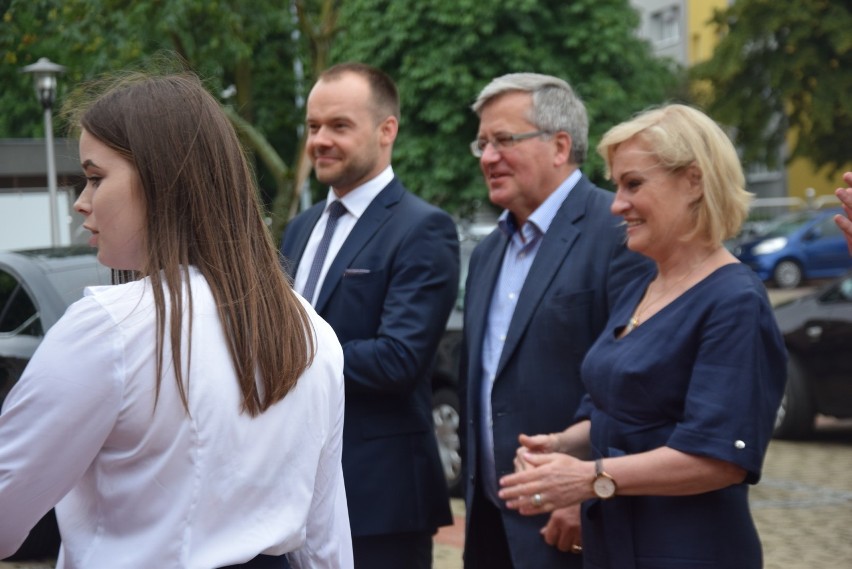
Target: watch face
<point x="604" y="486"/>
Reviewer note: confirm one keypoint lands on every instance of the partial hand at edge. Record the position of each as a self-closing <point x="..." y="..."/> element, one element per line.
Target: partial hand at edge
<point x="845" y="197"/>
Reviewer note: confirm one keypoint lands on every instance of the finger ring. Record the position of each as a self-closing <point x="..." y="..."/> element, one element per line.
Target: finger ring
<point x="536" y="500"/>
<point x="576" y="548"/>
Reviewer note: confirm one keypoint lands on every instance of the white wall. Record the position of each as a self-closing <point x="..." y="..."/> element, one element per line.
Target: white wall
<point x="25" y="219"/>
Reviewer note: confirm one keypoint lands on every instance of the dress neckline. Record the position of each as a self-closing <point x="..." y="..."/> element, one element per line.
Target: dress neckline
<point x="619" y="329"/>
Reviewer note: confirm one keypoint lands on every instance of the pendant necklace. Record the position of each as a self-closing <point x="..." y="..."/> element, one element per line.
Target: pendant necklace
<point x="634" y="320"/>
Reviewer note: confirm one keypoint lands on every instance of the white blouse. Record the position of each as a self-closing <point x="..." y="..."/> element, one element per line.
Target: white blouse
<point x="140" y="483"/>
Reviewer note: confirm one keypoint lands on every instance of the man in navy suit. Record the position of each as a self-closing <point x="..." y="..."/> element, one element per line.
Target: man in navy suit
<point x="538" y="293"/>
<point x="387" y="284"/>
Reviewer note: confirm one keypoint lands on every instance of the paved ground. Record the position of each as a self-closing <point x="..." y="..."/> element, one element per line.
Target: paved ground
<point x="803" y="506"/>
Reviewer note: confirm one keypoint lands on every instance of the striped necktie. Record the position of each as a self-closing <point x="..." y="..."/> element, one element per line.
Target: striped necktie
<point x="335" y="210"/>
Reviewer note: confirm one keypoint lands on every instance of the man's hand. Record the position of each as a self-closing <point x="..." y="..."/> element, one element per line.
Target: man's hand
<point x="563" y="529"/>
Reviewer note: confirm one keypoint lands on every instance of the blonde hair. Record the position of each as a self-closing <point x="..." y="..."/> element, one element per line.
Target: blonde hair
<point x="680" y="136"/>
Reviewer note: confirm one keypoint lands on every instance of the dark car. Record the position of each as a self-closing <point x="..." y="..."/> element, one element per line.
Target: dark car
<point x="445" y="403"/>
<point x="445" y="399"/>
<point x="35" y="289"/>
<point x="817" y="331"/>
<point x="795" y="247"/>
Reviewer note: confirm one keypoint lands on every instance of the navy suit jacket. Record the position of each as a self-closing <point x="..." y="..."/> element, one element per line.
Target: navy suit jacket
<point x="387" y="295"/>
<point x="580" y="268"/>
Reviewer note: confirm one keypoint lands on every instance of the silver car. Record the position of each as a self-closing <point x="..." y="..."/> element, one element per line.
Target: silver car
<point x="35" y="289"/>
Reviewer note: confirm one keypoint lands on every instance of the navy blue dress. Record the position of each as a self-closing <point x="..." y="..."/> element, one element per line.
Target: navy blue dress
<point x="703" y="376"/>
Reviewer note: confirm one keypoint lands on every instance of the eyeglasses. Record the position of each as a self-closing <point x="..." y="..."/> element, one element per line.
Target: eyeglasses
<point x="502" y="141"/>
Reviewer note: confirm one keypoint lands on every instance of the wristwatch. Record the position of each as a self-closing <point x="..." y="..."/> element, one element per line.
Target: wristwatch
<point x="603" y="485"/>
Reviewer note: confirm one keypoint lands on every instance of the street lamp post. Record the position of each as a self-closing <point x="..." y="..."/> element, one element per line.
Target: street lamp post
<point x="44" y="73"/>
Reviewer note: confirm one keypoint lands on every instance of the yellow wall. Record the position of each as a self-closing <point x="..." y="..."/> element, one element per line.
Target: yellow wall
<point x="702" y="37"/>
<point x="801" y="175"/>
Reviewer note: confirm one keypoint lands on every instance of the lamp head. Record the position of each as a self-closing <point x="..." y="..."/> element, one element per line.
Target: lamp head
<point x="44" y="73"/>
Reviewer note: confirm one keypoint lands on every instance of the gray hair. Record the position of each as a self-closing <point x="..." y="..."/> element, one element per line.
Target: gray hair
<point x="555" y="106"/>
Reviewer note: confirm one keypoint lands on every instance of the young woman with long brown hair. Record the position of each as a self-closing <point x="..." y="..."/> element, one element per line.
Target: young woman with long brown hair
<point x="191" y="417"/>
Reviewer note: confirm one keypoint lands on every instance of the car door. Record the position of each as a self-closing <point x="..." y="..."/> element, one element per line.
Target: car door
<point x="826" y="253"/>
<point x="825" y="347"/>
<point x="21" y="330"/>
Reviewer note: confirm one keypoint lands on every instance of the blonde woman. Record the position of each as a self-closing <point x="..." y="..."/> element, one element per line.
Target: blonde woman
<point x="684" y="382"/>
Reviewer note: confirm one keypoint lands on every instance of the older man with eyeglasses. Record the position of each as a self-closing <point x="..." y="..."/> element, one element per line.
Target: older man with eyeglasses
<point x="538" y="293"/>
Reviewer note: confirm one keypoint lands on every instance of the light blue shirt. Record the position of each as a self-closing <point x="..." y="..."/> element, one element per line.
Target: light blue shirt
<point x="524" y="243"/>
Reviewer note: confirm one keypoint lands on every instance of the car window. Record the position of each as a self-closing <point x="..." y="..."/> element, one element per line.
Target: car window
<point x="827" y="228"/>
<point x="842" y="292"/>
<point x="785" y="225"/>
<point x="18" y="313"/>
<point x="845" y="289"/>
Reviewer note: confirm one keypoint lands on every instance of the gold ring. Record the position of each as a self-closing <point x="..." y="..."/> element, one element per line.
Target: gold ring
<point x="536" y="500"/>
<point x="576" y="548"/>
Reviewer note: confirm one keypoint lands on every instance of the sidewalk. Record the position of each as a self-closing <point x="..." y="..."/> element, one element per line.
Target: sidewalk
<point x="447" y="553"/>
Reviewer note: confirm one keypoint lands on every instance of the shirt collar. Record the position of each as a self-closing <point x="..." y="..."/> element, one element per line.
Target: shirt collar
<point x="359" y="199"/>
<point x="544" y="214"/>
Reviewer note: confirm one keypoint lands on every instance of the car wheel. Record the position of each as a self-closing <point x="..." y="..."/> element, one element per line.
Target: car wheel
<point x="787" y="274"/>
<point x="445" y="413"/>
<point x="795" y="418"/>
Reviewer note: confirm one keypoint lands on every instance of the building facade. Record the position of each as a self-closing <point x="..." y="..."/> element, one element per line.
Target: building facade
<point x="24" y="197"/>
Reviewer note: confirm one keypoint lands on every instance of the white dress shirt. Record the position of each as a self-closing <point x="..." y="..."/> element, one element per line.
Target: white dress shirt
<point x="142" y="483"/>
<point x="355" y="202"/>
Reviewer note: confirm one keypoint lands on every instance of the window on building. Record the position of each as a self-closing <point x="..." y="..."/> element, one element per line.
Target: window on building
<point x="665" y="25"/>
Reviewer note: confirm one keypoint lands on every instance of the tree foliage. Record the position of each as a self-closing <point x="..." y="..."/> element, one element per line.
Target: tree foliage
<point x="778" y="68"/>
<point x="227" y="42"/>
<point x="443" y="52"/>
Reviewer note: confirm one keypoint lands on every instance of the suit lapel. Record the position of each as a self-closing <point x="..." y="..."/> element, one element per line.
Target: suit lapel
<point x="375" y="216"/>
<point x="479" y="302"/>
<point x="554" y="249"/>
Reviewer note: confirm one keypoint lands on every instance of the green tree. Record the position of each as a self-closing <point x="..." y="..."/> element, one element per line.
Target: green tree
<point x="777" y="68"/>
<point x="250" y="46"/>
<point x="442" y="52"/>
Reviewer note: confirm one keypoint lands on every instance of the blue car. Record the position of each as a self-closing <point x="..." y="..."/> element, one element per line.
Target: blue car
<point x="795" y="247"/>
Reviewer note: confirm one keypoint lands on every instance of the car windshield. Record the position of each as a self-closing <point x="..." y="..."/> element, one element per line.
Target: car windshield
<point x="785" y="225"/>
<point x="18" y="314"/>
